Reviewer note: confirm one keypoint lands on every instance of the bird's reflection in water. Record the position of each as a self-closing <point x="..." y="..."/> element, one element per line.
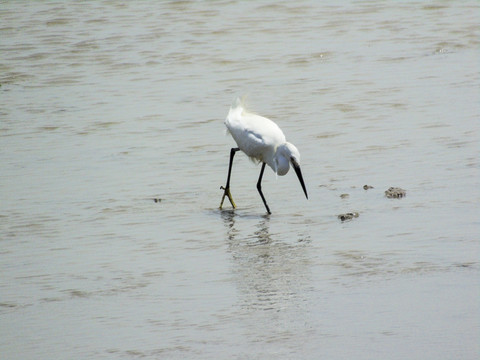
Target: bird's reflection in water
<point x="229" y="221"/>
<point x="271" y="274"/>
<point x="262" y="234"/>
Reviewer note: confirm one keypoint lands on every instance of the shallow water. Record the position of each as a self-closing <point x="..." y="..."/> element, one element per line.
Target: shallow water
<point x="107" y="106"/>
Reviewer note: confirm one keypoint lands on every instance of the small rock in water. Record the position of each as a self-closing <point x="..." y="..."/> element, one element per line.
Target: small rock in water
<point x="344" y="196"/>
<point x="348" y="216"/>
<point x="367" y="187"/>
<point x="395" y="193"/>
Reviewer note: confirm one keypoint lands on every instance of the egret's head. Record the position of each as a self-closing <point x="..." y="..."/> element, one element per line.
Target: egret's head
<point x="288" y="154"/>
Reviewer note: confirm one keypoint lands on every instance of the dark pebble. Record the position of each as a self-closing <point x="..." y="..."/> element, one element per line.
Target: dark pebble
<point x="395" y="193"/>
<point x="348" y="216"/>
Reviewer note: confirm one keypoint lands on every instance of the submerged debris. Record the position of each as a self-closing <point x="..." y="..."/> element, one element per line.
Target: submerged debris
<point x="367" y="187"/>
<point x="348" y="216"/>
<point x="395" y="193"/>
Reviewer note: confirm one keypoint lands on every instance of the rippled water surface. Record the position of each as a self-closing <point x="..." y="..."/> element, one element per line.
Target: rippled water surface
<point x="106" y="106"/>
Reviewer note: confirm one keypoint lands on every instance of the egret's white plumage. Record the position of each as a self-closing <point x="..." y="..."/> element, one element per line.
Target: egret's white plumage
<point x="263" y="141"/>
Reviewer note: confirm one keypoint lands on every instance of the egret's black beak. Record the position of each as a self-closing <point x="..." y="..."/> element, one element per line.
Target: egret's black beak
<point x="300" y="177"/>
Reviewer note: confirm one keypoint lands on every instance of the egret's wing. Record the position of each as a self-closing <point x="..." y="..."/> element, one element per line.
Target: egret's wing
<point x="262" y="137"/>
<point x="263" y="130"/>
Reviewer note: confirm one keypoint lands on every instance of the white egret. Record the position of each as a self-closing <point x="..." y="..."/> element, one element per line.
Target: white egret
<point x="264" y="142"/>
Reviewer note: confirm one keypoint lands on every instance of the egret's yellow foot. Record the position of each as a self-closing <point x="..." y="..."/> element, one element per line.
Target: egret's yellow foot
<point x="227" y="193"/>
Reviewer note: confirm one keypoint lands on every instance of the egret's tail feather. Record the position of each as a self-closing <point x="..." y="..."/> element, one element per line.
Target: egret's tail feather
<point x="240" y="101"/>
<point x="237" y="109"/>
<point x="237" y="103"/>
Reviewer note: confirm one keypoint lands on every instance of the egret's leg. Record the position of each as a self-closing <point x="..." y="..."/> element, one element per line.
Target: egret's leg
<point x="227" y="186"/>
<point x="259" y="188"/>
